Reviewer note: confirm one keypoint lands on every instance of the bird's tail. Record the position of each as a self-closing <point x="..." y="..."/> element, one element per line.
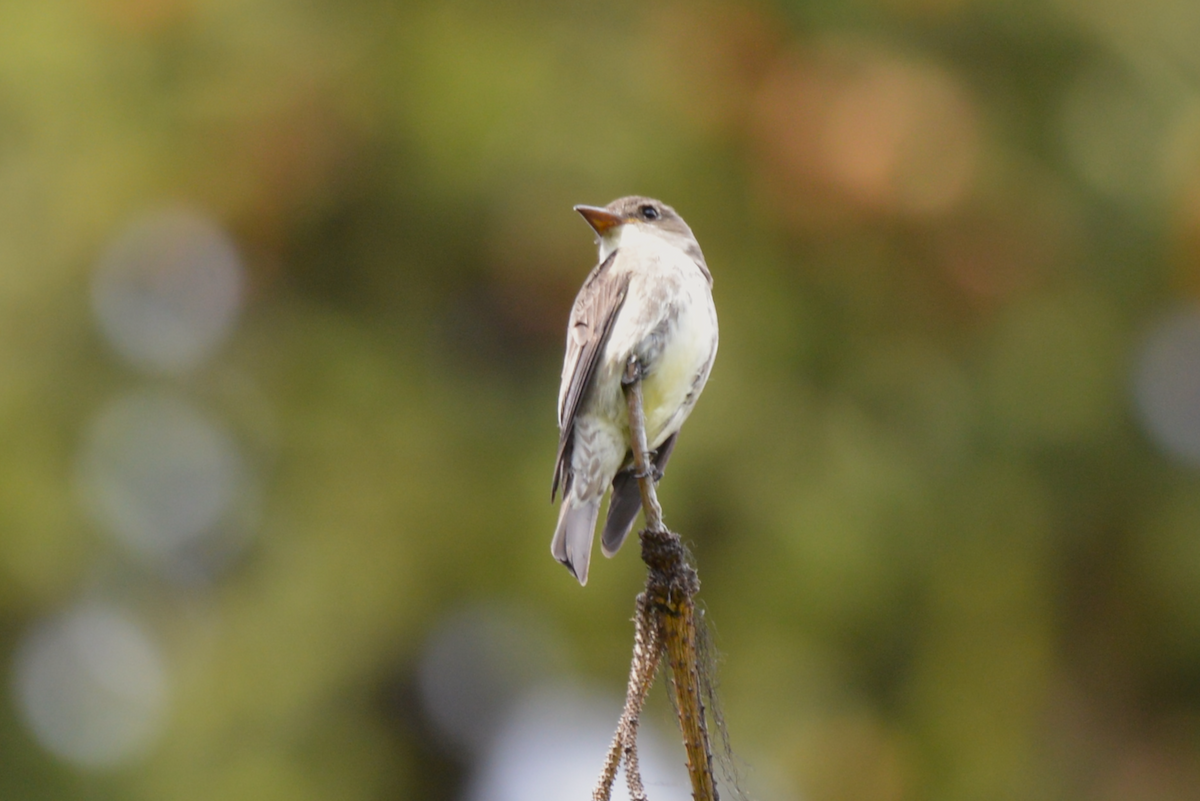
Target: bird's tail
<point x="572" y="543"/>
<point x="623" y="507"/>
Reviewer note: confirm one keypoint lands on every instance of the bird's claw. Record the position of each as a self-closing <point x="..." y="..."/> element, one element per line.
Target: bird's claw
<point x="653" y="473"/>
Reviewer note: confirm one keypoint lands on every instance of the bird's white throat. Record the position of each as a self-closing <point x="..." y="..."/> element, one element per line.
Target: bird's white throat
<point x="628" y="235"/>
<point x="610" y="240"/>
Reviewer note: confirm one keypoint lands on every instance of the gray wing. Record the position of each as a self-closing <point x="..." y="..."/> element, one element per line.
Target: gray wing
<point x="591" y="322"/>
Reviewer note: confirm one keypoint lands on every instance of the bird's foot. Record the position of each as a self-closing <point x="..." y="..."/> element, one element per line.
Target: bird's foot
<point x="653" y="472"/>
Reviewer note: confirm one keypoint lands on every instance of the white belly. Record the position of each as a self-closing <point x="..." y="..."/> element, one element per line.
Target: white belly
<point x="670" y="390"/>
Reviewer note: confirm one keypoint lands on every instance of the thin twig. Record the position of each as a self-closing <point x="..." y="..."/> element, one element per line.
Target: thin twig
<point x="632" y="383"/>
<point x="665" y="621"/>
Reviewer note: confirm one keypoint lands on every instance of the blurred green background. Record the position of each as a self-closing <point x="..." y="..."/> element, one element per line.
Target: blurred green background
<point x="283" y="287"/>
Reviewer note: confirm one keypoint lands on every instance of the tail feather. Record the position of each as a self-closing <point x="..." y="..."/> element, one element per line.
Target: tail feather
<point x="572" y="543"/>
<point x="623" y="509"/>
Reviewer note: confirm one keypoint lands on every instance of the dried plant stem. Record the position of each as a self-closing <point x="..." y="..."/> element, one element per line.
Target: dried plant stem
<point x="671" y="587"/>
<point x="647" y="653"/>
<point x="666" y="620"/>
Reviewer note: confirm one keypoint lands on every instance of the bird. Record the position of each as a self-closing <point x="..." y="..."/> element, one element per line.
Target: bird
<point x="648" y="297"/>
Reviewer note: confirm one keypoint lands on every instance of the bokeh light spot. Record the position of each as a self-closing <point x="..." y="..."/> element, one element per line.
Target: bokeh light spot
<point x="871" y="130"/>
<point x="91" y="686"/>
<point x="1167" y="385"/>
<point x="164" y="480"/>
<point x="552" y="745"/>
<point x="167" y="290"/>
<point x="475" y="666"/>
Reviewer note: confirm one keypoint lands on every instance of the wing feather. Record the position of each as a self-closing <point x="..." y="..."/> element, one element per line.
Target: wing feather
<point x="592" y="317"/>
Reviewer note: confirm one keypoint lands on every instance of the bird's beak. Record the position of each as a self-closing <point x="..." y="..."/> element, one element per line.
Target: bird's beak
<point x="600" y="219"/>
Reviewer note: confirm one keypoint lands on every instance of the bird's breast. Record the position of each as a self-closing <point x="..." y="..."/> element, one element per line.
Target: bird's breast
<point x="669" y="322"/>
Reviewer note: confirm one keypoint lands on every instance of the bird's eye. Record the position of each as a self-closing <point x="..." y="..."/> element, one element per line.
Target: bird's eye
<point x="649" y="213"/>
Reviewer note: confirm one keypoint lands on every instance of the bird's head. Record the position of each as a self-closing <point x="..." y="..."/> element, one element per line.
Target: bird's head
<point x="646" y="214"/>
